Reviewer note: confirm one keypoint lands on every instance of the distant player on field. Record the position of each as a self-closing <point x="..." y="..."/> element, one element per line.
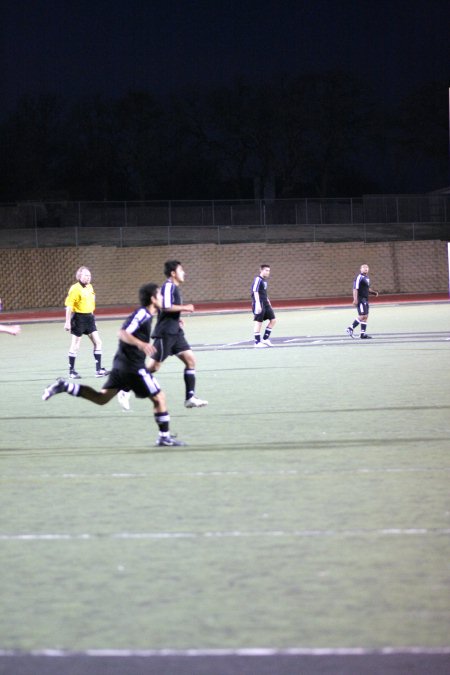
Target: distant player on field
<point x="261" y="308"/>
<point x="361" y="292"/>
<point x="129" y="372"/>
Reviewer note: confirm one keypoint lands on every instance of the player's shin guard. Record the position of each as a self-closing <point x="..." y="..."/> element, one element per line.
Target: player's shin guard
<point x="162" y="419"/>
<point x="98" y="359"/>
<point x="189" y="381"/>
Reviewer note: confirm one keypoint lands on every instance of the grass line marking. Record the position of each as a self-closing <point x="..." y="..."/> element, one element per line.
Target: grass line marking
<point x="235" y="534"/>
<point x="223" y="474"/>
<point x="242" y="651"/>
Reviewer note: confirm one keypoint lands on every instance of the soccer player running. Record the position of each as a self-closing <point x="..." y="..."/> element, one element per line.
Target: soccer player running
<point x="129" y="372"/>
<point x="169" y="338"/>
<point x="361" y="292"/>
<point x="80" y="320"/>
<point x="262" y="309"/>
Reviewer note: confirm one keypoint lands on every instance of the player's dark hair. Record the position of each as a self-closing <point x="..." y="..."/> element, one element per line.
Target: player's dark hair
<point x="261" y="267"/>
<point x="146" y="293"/>
<point x="170" y="266"/>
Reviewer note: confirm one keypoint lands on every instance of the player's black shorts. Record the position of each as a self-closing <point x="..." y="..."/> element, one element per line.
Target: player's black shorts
<point x="82" y="324"/>
<point x="169" y="345"/>
<point x="142" y="383"/>
<point x="363" y="307"/>
<point x="267" y="314"/>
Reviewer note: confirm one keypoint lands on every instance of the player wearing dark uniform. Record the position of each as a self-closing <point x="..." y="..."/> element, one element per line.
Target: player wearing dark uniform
<point x="169" y="338"/>
<point x="361" y="292"/>
<point x="261" y="308"/>
<point x="129" y="371"/>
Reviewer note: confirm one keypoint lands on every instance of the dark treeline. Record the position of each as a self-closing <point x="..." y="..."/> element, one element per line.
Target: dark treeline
<point x="323" y="134"/>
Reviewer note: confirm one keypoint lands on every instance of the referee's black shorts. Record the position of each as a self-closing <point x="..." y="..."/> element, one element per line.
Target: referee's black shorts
<point x="82" y="324"/>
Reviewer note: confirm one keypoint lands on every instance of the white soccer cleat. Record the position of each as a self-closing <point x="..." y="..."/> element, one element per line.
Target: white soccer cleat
<point x="268" y="343"/>
<point x="124" y="399"/>
<point x="195" y="402"/>
<point x="260" y="345"/>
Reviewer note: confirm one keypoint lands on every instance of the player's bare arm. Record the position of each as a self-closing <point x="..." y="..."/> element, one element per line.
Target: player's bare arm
<point x="69" y="314"/>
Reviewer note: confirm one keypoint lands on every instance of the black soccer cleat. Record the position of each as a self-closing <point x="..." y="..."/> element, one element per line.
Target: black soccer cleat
<point x="364" y="336"/>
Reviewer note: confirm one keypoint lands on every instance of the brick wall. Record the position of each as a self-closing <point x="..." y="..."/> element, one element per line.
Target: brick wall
<point x="40" y="278"/>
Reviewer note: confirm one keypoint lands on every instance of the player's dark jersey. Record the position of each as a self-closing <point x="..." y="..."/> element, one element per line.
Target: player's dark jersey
<point x="129" y="357"/>
<point x="260" y="299"/>
<point x="362" y="284"/>
<point x="168" y="322"/>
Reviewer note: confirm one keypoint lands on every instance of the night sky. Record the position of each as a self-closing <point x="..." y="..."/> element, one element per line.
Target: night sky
<point x="108" y="47"/>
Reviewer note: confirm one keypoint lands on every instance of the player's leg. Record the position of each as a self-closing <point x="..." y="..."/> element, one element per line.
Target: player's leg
<point x="357" y="322"/>
<point x="155" y="361"/>
<point x="146" y="386"/>
<point x="257" y="325"/>
<point x="80" y="391"/>
<point x="363" y="321"/>
<point x="96" y="341"/>
<point x="73" y="353"/>
<point x="268" y="330"/>
<point x="189" y="375"/>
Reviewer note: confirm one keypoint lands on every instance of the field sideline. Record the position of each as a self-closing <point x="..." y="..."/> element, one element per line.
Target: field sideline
<point x="304" y="529"/>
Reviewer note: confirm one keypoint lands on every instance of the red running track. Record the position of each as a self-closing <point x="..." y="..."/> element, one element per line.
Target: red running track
<point x="52" y="314"/>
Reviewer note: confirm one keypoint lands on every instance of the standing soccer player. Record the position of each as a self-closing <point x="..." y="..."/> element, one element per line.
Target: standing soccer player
<point x="80" y="320"/>
<point x="361" y="292"/>
<point x="129" y="371"/>
<point x="169" y="338"/>
<point x="262" y="309"/>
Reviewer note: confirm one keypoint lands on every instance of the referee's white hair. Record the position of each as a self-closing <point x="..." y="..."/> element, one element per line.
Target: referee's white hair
<point x="79" y="271"/>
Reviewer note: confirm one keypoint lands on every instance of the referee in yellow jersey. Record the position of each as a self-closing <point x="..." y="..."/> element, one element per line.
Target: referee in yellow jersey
<point x="80" y="320"/>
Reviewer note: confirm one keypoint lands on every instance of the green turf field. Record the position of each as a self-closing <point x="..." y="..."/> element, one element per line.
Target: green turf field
<point x="310" y="509"/>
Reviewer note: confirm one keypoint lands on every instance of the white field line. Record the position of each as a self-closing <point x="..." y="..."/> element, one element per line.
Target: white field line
<point x="224" y="474"/>
<point x="242" y="651"/>
<point x="233" y="534"/>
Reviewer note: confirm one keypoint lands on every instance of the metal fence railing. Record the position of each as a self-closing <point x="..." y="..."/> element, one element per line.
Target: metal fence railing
<point x="372" y="218"/>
